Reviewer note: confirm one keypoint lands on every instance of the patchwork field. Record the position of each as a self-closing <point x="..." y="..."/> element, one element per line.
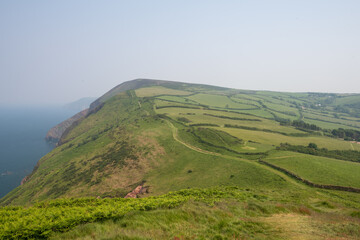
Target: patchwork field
<point x="219" y="101"/>
<point x="197" y="116"/>
<point x="275" y="139"/>
<point x="222" y="150"/>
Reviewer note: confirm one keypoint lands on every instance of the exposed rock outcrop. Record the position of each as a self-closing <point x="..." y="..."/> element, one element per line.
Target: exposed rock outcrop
<point x="55" y="133"/>
<point x="24" y="180"/>
<point x="138" y="190"/>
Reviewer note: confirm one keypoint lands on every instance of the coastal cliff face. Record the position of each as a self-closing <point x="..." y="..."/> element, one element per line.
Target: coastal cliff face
<point x="141" y="83"/>
<point x="139" y="139"/>
<point x="125" y="86"/>
<point x="55" y="133"/>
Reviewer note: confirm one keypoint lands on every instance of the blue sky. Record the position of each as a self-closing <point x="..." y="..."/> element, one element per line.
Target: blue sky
<point x="53" y="52"/>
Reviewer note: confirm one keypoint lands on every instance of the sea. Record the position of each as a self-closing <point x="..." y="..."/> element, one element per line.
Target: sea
<point x="22" y="140"/>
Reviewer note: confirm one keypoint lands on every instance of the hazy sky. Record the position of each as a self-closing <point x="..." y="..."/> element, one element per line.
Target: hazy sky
<point x="59" y="51"/>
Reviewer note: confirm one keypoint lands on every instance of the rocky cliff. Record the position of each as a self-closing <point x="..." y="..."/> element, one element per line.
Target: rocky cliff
<point x="55" y="133"/>
<point x="128" y="85"/>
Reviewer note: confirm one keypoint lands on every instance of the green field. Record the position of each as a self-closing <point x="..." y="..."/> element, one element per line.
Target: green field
<point x="206" y="143"/>
<point x="348" y="100"/>
<point x="177" y="99"/>
<point x="283" y="109"/>
<point x="263" y="113"/>
<point x="218" y="101"/>
<point x="283" y="115"/>
<point x="276" y="139"/>
<point x="250" y="97"/>
<point x="317" y="169"/>
<point x="247" y="101"/>
<point x="205" y="169"/>
<point x="246" y="146"/>
<point x="199" y="116"/>
<point x="330" y="123"/>
<point x="158" y="90"/>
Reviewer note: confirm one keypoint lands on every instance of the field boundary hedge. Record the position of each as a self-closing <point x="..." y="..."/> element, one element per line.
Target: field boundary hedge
<point x="309" y="183"/>
<point x="176" y="106"/>
<point x="267" y="130"/>
<point x="232" y="118"/>
<point x="204" y="124"/>
<point x="327" y="121"/>
<point x="344" y="155"/>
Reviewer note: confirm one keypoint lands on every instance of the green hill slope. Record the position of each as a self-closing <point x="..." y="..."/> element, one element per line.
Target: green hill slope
<point x="123" y="145"/>
<point x="167" y="136"/>
<point x="213" y="213"/>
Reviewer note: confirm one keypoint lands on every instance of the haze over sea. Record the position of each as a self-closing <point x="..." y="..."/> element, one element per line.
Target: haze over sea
<point x="22" y="140"/>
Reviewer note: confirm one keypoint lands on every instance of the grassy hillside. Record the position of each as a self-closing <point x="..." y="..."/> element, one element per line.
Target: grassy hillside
<point x="214" y="213"/>
<point x="167" y="136"/>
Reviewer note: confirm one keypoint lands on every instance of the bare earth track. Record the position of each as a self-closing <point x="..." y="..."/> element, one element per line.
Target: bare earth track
<point x="280" y="174"/>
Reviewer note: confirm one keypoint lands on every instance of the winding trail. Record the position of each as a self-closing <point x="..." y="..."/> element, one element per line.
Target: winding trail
<point x="280" y="174"/>
<point x="176" y="138"/>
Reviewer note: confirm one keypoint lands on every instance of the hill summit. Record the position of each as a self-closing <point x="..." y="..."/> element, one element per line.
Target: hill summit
<point x="165" y="135"/>
<point x="280" y="162"/>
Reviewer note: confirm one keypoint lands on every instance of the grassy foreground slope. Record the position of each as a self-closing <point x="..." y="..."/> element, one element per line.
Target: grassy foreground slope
<point x="214" y="213"/>
<point x="126" y="144"/>
<point x="168" y="136"/>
